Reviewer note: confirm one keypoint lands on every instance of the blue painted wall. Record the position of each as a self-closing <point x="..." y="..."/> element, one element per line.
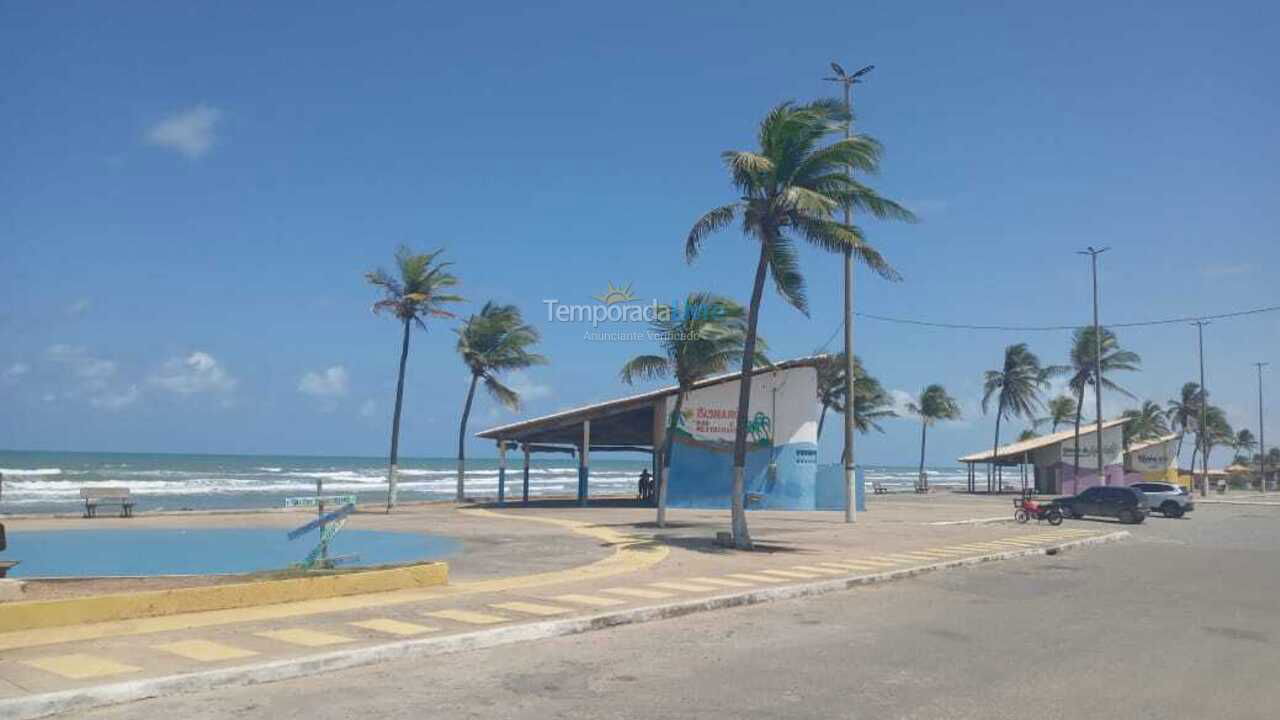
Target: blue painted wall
<point x="701" y="477"/>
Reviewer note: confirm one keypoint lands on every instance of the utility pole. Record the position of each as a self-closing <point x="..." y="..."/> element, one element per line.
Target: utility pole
<point x="1262" y="435"/>
<point x="1097" y="358"/>
<point x="1201" y="436"/>
<point x="847" y="81"/>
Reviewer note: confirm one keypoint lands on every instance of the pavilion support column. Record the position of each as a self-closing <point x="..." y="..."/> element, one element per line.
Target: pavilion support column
<point x="502" y="472"/>
<point x="526" y="474"/>
<point x="584" y="463"/>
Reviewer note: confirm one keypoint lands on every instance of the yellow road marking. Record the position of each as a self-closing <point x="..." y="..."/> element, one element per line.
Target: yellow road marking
<point x="875" y="563"/>
<point x="849" y="566"/>
<point x="204" y="650"/>
<point x="681" y="586"/>
<point x="593" y="600"/>
<point x="943" y="553"/>
<point x="467" y="616"/>
<point x="821" y="570"/>
<point x="304" y="637"/>
<point x="393" y="627"/>
<point x="638" y="593"/>
<point x="721" y="582"/>
<point x="79" y="666"/>
<point x="755" y="578"/>
<point x="531" y="608"/>
<point x="789" y="574"/>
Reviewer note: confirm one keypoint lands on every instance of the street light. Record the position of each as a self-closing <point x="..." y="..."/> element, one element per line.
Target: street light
<point x="1262" y="435"/>
<point x="1097" y="357"/>
<point x="847" y="81"/>
<point x="1201" y="436"/>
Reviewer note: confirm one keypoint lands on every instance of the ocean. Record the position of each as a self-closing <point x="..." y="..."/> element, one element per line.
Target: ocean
<point x="48" y="482"/>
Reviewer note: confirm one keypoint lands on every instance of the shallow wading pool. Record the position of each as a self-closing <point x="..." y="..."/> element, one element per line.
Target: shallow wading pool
<point x="204" y="551"/>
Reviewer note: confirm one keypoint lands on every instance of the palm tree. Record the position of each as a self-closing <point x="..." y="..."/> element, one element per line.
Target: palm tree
<point x="416" y="291"/>
<point x="1028" y="434"/>
<point x="1184" y="414"/>
<point x="1218" y="432"/>
<point x="870" y="400"/>
<point x="1147" y="423"/>
<point x="934" y="404"/>
<point x="1061" y="410"/>
<point x="1245" y="441"/>
<point x="704" y="338"/>
<point x="492" y="342"/>
<point x="792" y="187"/>
<point x="1083" y="355"/>
<point x="1016" y="387"/>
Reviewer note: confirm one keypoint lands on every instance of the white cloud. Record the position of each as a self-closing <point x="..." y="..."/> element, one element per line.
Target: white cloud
<point x="198" y="372"/>
<point x="527" y="387"/>
<point x="108" y="400"/>
<point x="188" y="132"/>
<point x="79" y="307"/>
<point x="94" y="371"/>
<point x="328" y="383"/>
<point x="900" y="398"/>
<point x="15" y="371"/>
<point x="368" y="408"/>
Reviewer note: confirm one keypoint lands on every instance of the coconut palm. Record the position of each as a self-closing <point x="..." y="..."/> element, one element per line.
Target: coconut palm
<point x="870" y="400"/>
<point x="1083" y="356"/>
<point x="703" y="338"/>
<point x="417" y="290"/>
<point x="491" y="342"/>
<point x="1028" y="434"/>
<point x="1245" y="441"/>
<point x="1016" y="386"/>
<point x="934" y="404"/>
<point x="792" y="187"/>
<point x="1217" y="433"/>
<point x="1184" y="414"/>
<point x="1147" y="423"/>
<point x="1061" y="410"/>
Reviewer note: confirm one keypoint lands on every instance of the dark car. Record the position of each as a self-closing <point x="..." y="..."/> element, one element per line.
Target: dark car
<point x="1123" y="503"/>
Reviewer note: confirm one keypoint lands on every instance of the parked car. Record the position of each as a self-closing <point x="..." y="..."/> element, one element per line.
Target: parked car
<point x="1171" y="500"/>
<point x="1123" y="503"/>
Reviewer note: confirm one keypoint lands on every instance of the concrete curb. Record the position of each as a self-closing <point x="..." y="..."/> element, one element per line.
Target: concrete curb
<point x="36" y="706"/>
<point x="1238" y="502"/>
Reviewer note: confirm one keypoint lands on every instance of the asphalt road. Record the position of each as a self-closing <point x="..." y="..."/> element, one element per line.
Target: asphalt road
<point x="1183" y="621"/>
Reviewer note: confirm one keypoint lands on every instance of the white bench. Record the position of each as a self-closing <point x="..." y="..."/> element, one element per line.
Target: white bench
<point x="93" y="497"/>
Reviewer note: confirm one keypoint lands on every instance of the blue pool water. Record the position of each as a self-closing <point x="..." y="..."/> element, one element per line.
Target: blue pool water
<point x="206" y="551"/>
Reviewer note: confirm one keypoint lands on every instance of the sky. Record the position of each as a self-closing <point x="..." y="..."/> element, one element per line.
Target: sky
<point x="190" y="196"/>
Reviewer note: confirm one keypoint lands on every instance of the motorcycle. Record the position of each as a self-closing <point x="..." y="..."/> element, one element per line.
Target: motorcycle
<point x="1025" y="508"/>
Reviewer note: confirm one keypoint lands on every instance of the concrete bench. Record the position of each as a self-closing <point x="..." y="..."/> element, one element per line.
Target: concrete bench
<point x="5" y="566"/>
<point x="93" y="497"/>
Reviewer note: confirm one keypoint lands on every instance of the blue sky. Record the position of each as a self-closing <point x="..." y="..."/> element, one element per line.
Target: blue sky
<point x="191" y="196"/>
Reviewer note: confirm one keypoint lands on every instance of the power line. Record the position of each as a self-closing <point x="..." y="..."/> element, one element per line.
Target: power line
<point x="1053" y="328"/>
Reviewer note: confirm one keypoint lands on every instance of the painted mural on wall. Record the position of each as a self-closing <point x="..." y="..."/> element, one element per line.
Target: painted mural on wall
<point x="781" y="442"/>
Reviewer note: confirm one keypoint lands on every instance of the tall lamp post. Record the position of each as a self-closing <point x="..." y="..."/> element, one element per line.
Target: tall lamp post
<point x="1093" y="254"/>
<point x="1204" y="406"/>
<point x="847" y="81"/>
<point x="1262" y="435"/>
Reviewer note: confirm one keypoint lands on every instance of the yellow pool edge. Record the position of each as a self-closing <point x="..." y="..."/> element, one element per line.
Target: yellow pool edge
<point x="35" y="614"/>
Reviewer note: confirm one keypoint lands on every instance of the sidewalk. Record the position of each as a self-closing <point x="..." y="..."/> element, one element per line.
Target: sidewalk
<point x="623" y="562"/>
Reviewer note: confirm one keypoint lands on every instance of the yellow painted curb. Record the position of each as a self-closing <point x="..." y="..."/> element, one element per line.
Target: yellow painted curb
<point x="35" y="614"/>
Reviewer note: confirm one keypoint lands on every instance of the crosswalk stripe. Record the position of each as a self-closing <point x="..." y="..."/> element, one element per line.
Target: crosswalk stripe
<point x="393" y="627"/>
<point x="821" y="570"/>
<point x="874" y="562"/>
<point x="790" y="574"/>
<point x="467" y="616"/>
<point x="850" y="566"/>
<point x="755" y="578"/>
<point x="592" y="600"/>
<point x="530" y="608"/>
<point x="204" y="650"/>
<point x="79" y="666"/>
<point x="638" y="593"/>
<point x="680" y="586"/>
<point x="304" y="637"/>
<point x="721" y="582"/>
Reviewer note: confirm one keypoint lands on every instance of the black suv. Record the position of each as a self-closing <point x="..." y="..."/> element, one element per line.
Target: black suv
<point x="1123" y="503"/>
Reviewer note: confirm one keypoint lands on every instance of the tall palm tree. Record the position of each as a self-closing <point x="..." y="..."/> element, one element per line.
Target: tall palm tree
<point x="1147" y="423"/>
<point x="1061" y="410"/>
<point x="1016" y="386"/>
<point x="703" y="338"/>
<point x="1184" y="414"/>
<point x="1083" y="356"/>
<point x="870" y="400"/>
<point x="1245" y="442"/>
<point x="417" y="290"/>
<point x="1028" y="434"/>
<point x="494" y="341"/>
<point x="792" y="186"/>
<point x="934" y="404"/>
<point x="1218" y="432"/>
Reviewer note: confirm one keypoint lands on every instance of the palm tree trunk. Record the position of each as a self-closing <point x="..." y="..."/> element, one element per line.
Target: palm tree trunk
<point x="462" y="439"/>
<point x="1075" y="471"/>
<point x="995" y="448"/>
<point x="741" y="536"/>
<point x="663" y="479"/>
<point x="395" y="420"/>
<point x="821" y="419"/>
<point x="924" y="427"/>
